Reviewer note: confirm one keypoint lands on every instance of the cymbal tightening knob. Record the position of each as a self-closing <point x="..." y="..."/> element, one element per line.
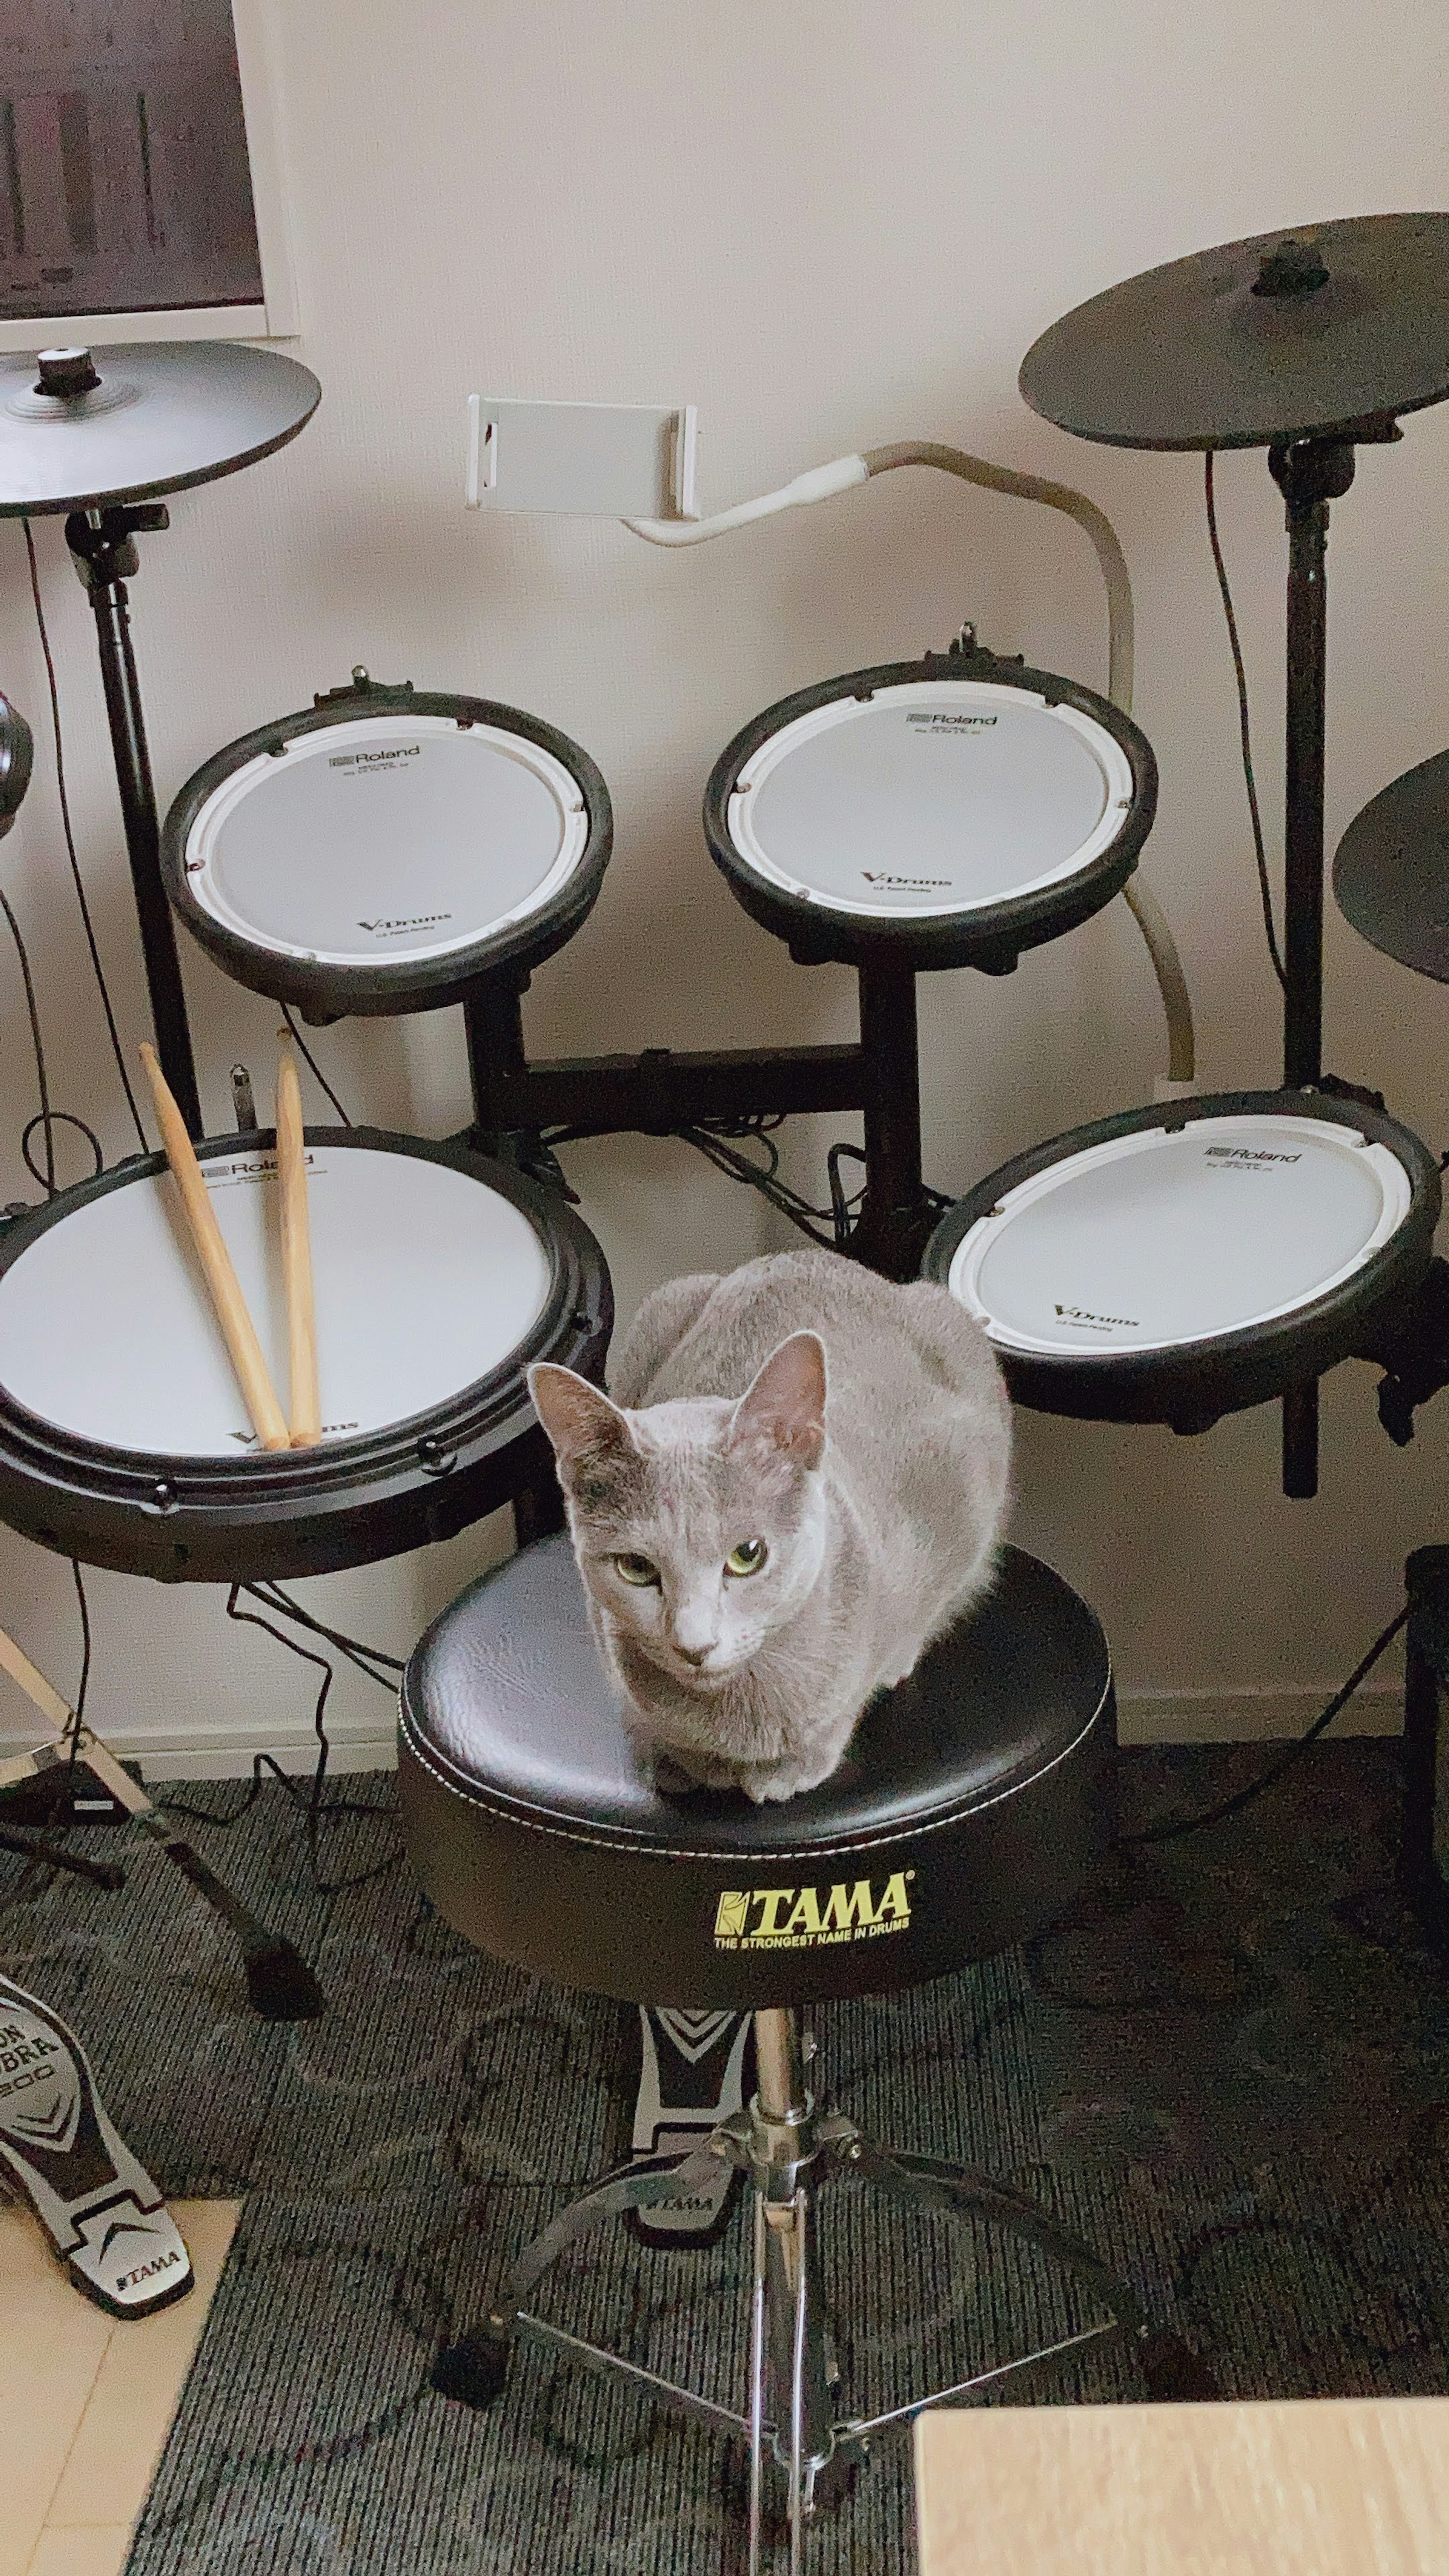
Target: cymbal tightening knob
<point x="66" y="373"/>
<point x="1294" y="268"/>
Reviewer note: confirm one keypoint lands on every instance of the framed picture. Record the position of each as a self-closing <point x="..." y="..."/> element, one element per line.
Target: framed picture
<point x="140" y="182"/>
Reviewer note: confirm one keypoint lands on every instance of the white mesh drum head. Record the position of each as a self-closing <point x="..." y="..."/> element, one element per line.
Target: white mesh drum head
<point x="931" y="797"/>
<point x="425" y="1280"/>
<point x="1151" y="1241"/>
<point x="395" y="836"/>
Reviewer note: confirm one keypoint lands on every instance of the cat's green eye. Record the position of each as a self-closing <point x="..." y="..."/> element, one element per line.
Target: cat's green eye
<point x="747" y="1558"/>
<point x="637" y="1569"/>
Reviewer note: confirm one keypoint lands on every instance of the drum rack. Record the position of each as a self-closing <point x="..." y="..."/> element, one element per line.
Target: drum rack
<point x="660" y="1091"/>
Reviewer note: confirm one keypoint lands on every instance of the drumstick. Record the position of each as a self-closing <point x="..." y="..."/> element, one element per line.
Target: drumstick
<point x="280" y="1985"/>
<point x="306" y="1401"/>
<point x="238" y="1331"/>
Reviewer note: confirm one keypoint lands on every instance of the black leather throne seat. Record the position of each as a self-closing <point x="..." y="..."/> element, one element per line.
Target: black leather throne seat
<point x="975" y="1798"/>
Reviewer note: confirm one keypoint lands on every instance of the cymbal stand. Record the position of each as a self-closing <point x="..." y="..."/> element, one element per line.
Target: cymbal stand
<point x="1310" y="473"/>
<point x="102" y="543"/>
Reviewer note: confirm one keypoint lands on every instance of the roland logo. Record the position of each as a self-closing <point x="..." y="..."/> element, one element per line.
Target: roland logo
<point x="811" y="1918"/>
<point x="1096" y="1323"/>
<point x="250" y="1168"/>
<point x="374" y="759"/>
<point x="1247" y="1154"/>
<point x="912" y="885"/>
<point x="330" y="1431"/>
<point x="924" y="721"/>
<point x="413" y="921"/>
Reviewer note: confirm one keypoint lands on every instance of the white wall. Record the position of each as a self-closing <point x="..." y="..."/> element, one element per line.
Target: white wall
<point x="828" y="225"/>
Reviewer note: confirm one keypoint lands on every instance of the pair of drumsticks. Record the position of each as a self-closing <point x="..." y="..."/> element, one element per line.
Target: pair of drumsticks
<point x="273" y="1428"/>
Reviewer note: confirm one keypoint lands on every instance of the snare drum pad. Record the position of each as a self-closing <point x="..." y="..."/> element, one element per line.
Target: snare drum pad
<point x="425" y="1282"/>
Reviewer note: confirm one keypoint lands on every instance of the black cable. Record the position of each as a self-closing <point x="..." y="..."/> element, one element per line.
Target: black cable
<point x="319" y="1075"/>
<point x="100" y="973"/>
<point x="60" y="1118"/>
<point x="1276" y="1769"/>
<point x="272" y="1595"/>
<point x="317" y="1810"/>
<point x="47" y="1178"/>
<point x="1244" y="726"/>
<point x="78" y="1713"/>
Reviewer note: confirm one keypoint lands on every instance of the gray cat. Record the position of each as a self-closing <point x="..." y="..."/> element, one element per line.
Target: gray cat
<point x="755" y="1573"/>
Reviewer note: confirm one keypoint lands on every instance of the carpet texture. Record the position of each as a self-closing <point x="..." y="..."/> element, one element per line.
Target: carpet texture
<point x="1229" y="2068"/>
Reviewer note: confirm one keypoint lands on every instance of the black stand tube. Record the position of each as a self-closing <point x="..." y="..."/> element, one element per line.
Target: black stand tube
<point x="102" y="543"/>
<point x="1309" y="475"/>
<point x="493" y="1025"/>
<point x="1423" y="1835"/>
<point x="896" y="1217"/>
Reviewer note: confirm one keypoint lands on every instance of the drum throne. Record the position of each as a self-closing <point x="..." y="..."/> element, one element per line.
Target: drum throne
<point x="975" y="1800"/>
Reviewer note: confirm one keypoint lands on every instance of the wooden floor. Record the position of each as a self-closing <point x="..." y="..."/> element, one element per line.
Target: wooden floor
<point x="85" y="2400"/>
<point x="1355" y="2486"/>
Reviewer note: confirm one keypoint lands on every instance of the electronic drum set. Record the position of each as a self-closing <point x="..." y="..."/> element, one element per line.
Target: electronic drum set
<point x="394" y="850"/>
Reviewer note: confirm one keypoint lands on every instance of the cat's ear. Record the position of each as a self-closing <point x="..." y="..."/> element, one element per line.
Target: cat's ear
<point x="785" y="1404"/>
<point x="591" y="1438"/>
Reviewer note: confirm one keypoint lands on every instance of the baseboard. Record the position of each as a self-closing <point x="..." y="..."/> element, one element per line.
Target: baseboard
<point x="1255" y="1715"/>
<point x="217" y="1753"/>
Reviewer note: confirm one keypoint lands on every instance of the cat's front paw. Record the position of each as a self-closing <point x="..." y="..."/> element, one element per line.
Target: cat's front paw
<point x="787" y="1780"/>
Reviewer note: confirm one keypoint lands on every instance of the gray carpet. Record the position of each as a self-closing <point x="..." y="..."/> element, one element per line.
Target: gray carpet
<point x="1229" y="2068"/>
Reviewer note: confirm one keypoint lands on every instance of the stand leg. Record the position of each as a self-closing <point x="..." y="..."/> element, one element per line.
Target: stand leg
<point x="102" y="544"/>
<point x="757" y="2387"/>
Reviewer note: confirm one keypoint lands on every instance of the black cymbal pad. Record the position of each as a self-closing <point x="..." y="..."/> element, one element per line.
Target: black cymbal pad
<point x="1391" y="875"/>
<point x="1297" y="333"/>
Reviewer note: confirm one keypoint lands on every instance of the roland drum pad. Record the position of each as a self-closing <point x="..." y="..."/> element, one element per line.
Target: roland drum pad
<point x="102" y="2213"/>
<point x="438" y="1277"/>
<point x="950" y="812"/>
<point x="1173" y="1265"/>
<point x="383" y="852"/>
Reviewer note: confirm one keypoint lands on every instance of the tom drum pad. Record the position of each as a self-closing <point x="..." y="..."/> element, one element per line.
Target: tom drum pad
<point x="1173" y="1265"/>
<point x="950" y="812"/>
<point x="382" y="852"/>
<point x="124" y="1438"/>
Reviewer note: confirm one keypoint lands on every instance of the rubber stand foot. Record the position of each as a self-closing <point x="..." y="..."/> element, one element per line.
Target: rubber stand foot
<point x="473" y="2370"/>
<point x="1175" y="2374"/>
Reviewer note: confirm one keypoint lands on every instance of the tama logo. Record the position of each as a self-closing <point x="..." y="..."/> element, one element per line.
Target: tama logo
<point x="925" y="723"/>
<point x="1084" y="1315"/>
<point x="148" y="2271"/>
<point x="810" y="1918"/>
<point x="374" y="759"/>
<point x="1247" y="1154"/>
<point x="918" y="885"/>
<point x="415" y="921"/>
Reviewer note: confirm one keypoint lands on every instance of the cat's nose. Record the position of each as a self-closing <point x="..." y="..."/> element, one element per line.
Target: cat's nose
<point x="696" y="1655"/>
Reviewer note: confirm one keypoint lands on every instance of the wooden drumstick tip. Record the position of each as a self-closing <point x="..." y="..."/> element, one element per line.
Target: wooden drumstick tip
<point x="306" y="1402"/>
<point x="223" y="1286"/>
